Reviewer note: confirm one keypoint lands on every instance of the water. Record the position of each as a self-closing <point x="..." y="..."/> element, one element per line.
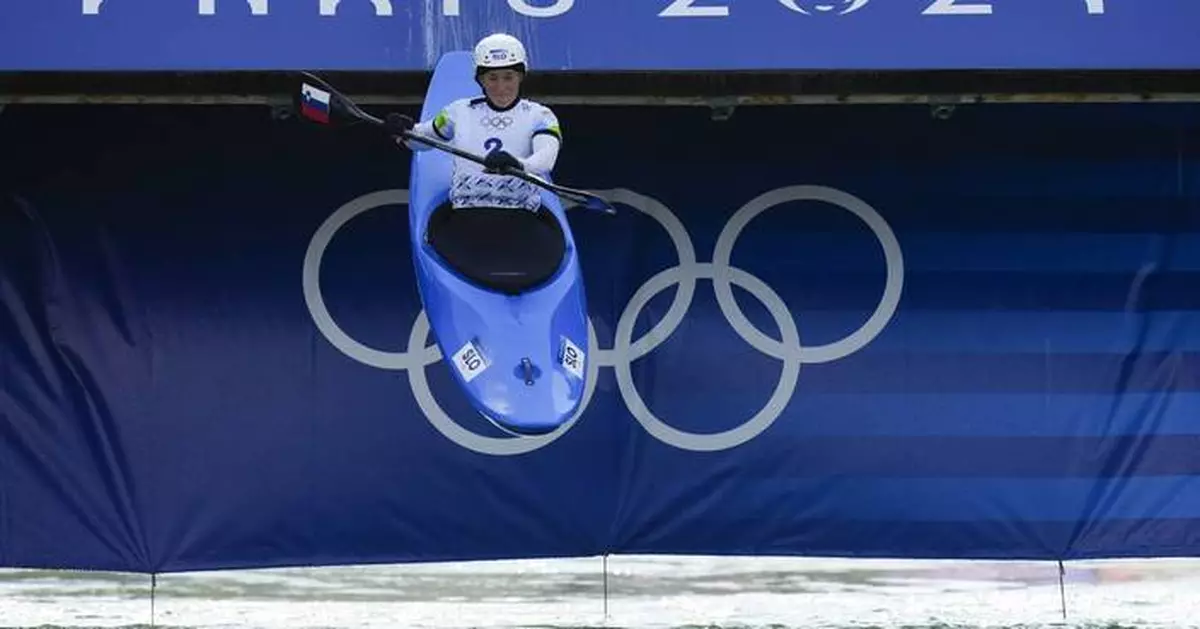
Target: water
<point x="651" y="592"/>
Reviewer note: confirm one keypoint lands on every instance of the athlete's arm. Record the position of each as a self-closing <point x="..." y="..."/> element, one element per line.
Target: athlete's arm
<point x="547" y="140"/>
<point x="545" y="153"/>
<point x="440" y="127"/>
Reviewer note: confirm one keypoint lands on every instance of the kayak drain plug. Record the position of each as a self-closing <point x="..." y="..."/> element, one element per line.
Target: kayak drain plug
<point x="527" y="371"/>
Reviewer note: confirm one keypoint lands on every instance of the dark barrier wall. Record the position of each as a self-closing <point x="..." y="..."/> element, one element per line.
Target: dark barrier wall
<point x="827" y="331"/>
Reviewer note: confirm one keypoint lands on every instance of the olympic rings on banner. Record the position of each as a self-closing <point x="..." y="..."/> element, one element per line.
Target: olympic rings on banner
<point x="625" y="348"/>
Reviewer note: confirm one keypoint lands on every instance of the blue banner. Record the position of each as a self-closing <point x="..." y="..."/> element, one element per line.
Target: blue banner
<point x="852" y="332"/>
<point x="389" y="35"/>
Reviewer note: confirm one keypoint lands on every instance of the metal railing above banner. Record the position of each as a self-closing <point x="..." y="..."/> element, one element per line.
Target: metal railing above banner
<point x="714" y="90"/>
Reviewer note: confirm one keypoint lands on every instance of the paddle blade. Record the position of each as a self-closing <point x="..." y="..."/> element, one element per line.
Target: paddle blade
<point x="585" y="200"/>
<point x="317" y="101"/>
<point x="599" y="205"/>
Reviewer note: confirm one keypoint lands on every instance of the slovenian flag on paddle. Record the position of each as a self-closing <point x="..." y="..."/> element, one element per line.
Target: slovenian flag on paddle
<point x="314" y="103"/>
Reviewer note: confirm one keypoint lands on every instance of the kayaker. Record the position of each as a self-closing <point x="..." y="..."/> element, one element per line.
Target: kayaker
<point x="508" y="130"/>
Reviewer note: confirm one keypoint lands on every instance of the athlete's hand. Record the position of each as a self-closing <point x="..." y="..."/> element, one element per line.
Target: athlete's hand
<point x="497" y="161"/>
<point x="398" y="123"/>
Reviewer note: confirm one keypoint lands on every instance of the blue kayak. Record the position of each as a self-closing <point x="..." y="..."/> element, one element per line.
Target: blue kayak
<point x="512" y="325"/>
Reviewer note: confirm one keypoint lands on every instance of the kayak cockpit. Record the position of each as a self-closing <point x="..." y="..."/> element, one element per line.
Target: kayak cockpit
<point x="506" y="250"/>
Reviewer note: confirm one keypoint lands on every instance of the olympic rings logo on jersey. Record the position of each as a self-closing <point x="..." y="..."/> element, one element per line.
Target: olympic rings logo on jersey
<point x="625" y="348"/>
<point x="496" y="122"/>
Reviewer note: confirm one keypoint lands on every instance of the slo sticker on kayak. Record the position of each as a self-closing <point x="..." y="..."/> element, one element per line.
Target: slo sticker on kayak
<point x="571" y="358"/>
<point x="470" y="361"/>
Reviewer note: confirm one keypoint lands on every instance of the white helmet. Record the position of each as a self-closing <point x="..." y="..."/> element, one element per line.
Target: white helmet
<point x="500" y="51"/>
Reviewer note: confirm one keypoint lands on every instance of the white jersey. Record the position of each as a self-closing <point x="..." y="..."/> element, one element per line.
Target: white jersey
<point x="527" y="130"/>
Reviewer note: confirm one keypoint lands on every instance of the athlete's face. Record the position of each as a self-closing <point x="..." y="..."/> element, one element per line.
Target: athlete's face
<point x="501" y="86"/>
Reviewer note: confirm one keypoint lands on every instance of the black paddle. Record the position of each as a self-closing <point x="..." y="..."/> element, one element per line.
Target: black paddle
<point x="324" y="102"/>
